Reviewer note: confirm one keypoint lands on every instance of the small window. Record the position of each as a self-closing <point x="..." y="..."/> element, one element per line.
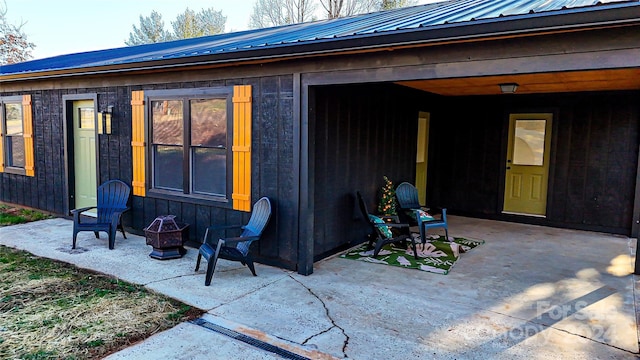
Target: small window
<point x="167" y="126"/>
<point x="190" y="131"/>
<point x="15" y="137"/>
<point x="13" y="148"/>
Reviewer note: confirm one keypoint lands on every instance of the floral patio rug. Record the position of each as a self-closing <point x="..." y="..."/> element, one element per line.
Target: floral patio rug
<point x="436" y="255"/>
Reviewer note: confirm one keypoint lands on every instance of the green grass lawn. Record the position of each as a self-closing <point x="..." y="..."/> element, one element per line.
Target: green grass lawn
<point x="12" y="215"/>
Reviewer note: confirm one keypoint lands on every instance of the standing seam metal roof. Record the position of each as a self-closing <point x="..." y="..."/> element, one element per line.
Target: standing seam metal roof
<point x="448" y="13"/>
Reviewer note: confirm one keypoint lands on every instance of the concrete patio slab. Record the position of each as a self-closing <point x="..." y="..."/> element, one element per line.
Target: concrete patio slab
<point x="528" y="292"/>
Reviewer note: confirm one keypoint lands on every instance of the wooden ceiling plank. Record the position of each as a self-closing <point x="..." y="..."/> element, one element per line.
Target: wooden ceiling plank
<point x="592" y="80"/>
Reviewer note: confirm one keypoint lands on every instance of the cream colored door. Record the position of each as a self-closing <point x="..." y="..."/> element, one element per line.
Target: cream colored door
<point x="422" y="155"/>
<point x="527" y="164"/>
<point x="84" y="150"/>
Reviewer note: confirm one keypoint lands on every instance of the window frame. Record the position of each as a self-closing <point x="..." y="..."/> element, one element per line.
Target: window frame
<point x="17" y="99"/>
<point x="187" y="191"/>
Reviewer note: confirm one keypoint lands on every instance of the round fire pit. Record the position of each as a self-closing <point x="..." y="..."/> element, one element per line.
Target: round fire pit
<point x="167" y="237"/>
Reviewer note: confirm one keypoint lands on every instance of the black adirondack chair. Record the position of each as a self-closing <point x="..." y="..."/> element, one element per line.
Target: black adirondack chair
<point x="411" y="209"/>
<point x="112" y="197"/>
<point x="381" y="231"/>
<point x="235" y="248"/>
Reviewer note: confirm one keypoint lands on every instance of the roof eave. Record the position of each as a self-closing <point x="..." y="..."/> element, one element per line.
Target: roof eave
<point x="624" y="14"/>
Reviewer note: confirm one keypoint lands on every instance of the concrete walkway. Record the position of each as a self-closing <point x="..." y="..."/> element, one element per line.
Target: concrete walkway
<point x="529" y="292"/>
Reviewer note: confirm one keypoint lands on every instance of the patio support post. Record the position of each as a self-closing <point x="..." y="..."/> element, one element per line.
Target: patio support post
<point x="635" y="225"/>
<point x="304" y="99"/>
<point x="637" y="264"/>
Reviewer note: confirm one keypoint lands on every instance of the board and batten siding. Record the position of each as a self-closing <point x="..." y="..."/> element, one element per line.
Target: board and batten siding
<point x="596" y="157"/>
<point x="42" y="186"/>
<point x="272" y="163"/>
<point x="362" y="133"/>
<point x="593" y="159"/>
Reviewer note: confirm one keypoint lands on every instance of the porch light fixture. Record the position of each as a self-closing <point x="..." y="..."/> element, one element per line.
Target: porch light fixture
<point x="104" y="121"/>
<point x="508" y="88"/>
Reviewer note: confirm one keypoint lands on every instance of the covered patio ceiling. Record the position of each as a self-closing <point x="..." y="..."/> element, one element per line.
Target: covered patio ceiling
<point x="575" y="81"/>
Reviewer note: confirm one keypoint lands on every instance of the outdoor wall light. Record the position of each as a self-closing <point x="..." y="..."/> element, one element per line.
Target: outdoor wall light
<point x="104" y="121"/>
<point x="508" y="88"/>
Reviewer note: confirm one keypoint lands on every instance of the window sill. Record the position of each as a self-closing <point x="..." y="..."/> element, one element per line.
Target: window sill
<point x="14" y="170"/>
<point x="190" y="198"/>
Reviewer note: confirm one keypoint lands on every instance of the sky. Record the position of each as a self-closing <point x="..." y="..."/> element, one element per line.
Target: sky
<point x="60" y="27"/>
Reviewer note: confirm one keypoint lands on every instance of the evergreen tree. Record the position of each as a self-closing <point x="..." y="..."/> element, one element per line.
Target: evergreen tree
<point x="191" y="24"/>
<point x="387" y="204"/>
<point x="211" y="22"/>
<point x="187" y="25"/>
<point x="151" y="31"/>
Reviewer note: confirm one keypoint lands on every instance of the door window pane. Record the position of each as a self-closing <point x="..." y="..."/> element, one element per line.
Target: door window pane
<point x="87" y="118"/>
<point x="167" y="122"/>
<point x="209" y="171"/>
<point x="167" y="167"/>
<point x="209" y="123"/>
<point x="528" y="144"/>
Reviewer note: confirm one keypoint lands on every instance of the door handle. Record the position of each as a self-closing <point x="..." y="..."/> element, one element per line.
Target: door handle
<point x="508" y="167"/>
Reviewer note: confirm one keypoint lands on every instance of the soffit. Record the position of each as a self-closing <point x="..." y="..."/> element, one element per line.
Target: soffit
<point x="575" y="81"/>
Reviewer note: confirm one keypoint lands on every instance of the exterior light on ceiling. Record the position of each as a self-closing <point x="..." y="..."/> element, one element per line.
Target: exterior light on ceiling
<point x="508" y="88"/>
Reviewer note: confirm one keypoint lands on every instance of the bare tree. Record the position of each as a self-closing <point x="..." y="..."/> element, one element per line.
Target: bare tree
<point x="151" y="31"/>
<point x="300" y="10"/>
<point x="267" y="13"/>
<point x="340" y="8"/>
<point x="191" y="24"/>
<point x="14" y="46"/>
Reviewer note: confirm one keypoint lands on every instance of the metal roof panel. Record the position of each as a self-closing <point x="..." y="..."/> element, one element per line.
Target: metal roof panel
<point x="423" y="17"/>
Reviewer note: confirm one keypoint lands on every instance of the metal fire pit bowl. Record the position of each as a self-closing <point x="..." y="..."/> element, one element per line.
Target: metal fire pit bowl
<point x="167" y="237"/>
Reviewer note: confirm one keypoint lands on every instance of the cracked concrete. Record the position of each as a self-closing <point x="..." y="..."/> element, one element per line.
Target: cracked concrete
<point x="529" y="292"/>
<point x="334" y="325"/>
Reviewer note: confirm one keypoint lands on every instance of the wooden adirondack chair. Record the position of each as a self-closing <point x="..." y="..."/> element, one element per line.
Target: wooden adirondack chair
<point x="112" y="202"/>
<point x="410" y="207"/>
<point x="235" y="248"/>
<point x="381" y="233"/>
